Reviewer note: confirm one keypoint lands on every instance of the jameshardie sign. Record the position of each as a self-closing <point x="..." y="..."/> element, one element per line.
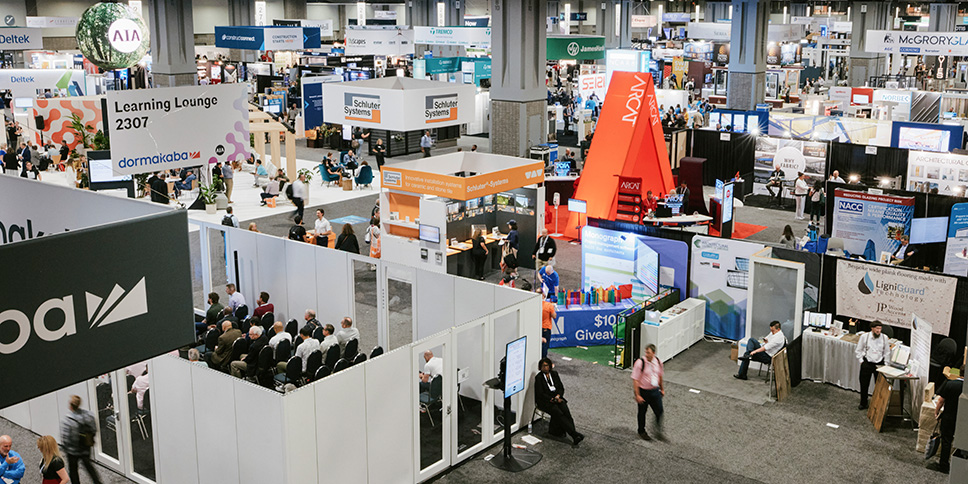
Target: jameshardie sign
<point x="578" y="47"/>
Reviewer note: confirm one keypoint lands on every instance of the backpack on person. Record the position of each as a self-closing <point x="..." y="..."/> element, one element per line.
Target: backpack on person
<point x="289" y="191"/>
<point x="227" y="221"/>
<point x="295" y="233"/>
<point x="86" y="430"/>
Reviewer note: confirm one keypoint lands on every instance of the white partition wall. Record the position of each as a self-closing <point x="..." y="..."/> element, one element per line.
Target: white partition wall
<point x="338" y="400"/>
<point x="301" y="282"/>
<point x="242" y="245"/>
<point x="260" y="426"/>
<point x="299" y="408"/>
<point x="389" y="417"/>
<point x="334" y="285"/>
<point x="216" y="435"/>
<point x="273" y="274"/>
<point x="175" y="409"/>
<point x="435" y="301"/>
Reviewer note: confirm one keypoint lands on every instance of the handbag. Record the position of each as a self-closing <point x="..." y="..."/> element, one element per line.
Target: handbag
<point x="934" y="442"/>
<point x="366" y="238"/>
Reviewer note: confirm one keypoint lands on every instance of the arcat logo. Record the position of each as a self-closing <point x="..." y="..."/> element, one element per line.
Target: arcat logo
<point x="118" y="306"/>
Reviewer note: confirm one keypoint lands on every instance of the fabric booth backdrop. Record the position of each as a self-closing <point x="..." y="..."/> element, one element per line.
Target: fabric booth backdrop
<point x="725" y="158"/>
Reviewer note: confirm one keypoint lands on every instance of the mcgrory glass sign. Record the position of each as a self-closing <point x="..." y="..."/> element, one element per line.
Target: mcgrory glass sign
<point x="921" y="43"/>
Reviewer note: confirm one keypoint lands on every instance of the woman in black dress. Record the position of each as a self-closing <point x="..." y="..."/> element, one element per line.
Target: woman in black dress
<point x="347" y="240"/>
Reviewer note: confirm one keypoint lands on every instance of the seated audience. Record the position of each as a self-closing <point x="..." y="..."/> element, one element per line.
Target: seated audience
<point x="227" y="315"/>
<point x="279" y="334"/>
<point x="195" y="357"/>
<point x="764" y="354"/>
<point x="185" y="183"/>
<point x="310" y="318"/>
<point x="264" y="306"/>
<point x="304" y="349"/>
<point x="236" y="298"/>
<point x="212" y="316"/>
<point x="347" y="333"/>
<point x="329" y="339"/>
<point x="549" y="395"/>
<point x="139" y="387"/>
<point x="250" y="360"/>
<point x="433" y="366"/>
<point x="270" y="190"/>
<point x="219" y="358"/>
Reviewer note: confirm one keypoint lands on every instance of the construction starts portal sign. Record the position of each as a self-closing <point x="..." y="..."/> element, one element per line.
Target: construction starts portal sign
<point x="159" y="129"/>
<point x="94" y="313"/>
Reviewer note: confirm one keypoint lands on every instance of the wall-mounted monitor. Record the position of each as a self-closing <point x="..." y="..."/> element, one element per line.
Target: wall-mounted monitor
<point x="577" y="206"/>
<point x="929" y="230"/>
<point x="101" y="168"/>
<point x="429" y="233"/>
<point x="453" y="208"/>
<point x="472" y="204"/>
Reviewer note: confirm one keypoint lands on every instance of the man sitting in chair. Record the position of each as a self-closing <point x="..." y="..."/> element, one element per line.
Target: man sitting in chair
<point x="776" y="180"/>
<point x="347" y="333"/>
<point x="433" y="366"/>
<point x="763" y="354"/>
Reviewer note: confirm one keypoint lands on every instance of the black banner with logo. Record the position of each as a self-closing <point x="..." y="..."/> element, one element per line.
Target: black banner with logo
<point x="78" y="304"/>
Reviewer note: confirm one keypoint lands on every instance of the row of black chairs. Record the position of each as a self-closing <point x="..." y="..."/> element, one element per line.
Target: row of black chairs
<point x="316" y="369"/>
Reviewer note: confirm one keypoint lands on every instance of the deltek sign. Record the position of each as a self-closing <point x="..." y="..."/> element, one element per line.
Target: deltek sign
<point x="441" y="108"/>
<point x="88" y="319"/>
<point x="21" y="39"/>
<point x="361" y="107"/>
<point x="923" y="43"/>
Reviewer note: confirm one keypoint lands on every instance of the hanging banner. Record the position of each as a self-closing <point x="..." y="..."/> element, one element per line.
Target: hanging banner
<point x="643" y="21"/>
<point x="325" y="26"/>
<point x="720" y="276"/>
<point x="676" y="17"/>
<point x="19" y="38"/>
<point x="578" y="47"/>
<point x="956" y="250"/>
<point x="891" y="294"/>
<point x="477" y="36"/>
<point x="376" y="41"/>
<point x="592" y="83"/>
<point x="312" y="98"/>
<point x="415" y="104"/>
<point x="917" y="43"/>
<point x="871" y="224"/>
<point x="948" y="172"/>
<point x="164" y="128"/>
<point x="82" y="305"/>
<point x="709" y="30"/>
<point x="51" y="22"/>
<point x="267" y="38"/>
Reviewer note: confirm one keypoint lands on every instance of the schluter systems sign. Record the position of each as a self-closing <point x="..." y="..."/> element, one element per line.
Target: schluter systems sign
<point x="441" y="108"/>
<point x="361" y="107"/>
<point x="461" y="188"/>
<point x="95" y="313"/>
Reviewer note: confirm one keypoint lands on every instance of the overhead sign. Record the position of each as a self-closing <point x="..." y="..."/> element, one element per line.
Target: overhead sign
<point x="19" y="38"/>
<point x="676" y="17"/>
<point x="785" y="32"/>
<point x="592" y="83"/>
<point x="267" y="38"/>
<point x="477" y="36"/>
<point x="27" y="81"/>
<point x="575" y="47"/>
<point x="325" y="26"/>
<point x="461" y="188"/>
<point x="112" y="36"/>
<point x="312" y="99"/>
<point x="418" y="105"/>
<point x="917" y="43"/>
<point x="709" y="30"/>
<point x="891" y="294"/>
<point x="81" y="305"/>
<point x="377" y="41"/>
<point x="164" y="128"/>
<point x="643" y="21"/>
<point x="51" y="22"/>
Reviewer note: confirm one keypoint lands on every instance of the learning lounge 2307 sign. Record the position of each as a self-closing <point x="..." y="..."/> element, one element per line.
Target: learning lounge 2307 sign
<point x="891" y="294"/>
<point x="160" y="129"/>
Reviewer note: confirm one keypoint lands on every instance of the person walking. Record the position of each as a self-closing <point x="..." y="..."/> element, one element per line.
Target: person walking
<point x="228" y="177"/>
<point x="299" y="195"/>
<point x="426" y="142"/>
<point x="380" y="152"/>
<point x="648" y="384"/>
<point x="373" y="237"/>
<point x="947" y="407"/>
<point x="800" y="190"/>
<point x="817" y="201"/>
<point x="77" y="436"/>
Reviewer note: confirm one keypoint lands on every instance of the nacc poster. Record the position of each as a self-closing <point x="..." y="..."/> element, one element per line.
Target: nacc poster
<point x="862" y="219"/>
<point x="720" y="276"/>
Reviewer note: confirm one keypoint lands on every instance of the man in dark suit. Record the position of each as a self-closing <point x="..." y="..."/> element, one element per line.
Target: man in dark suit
<point x="549" y="395"/>
<point x="158" y="188"/>
<point x="248" y="364"/>
<point x="10" y="162"/>
<point x="223" y="350"/>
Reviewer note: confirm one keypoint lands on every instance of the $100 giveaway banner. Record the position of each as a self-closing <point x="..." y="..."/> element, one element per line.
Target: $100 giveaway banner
<point x="891" y="294"/>
<point x="159" y="129"/>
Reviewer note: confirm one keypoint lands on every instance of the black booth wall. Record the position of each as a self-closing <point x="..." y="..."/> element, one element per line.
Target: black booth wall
<point x="850" y="159"/>
<point x="725" y="158"/>
<point x="527" y="225"/>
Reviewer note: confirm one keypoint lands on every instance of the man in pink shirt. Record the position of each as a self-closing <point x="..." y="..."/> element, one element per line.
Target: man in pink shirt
<point x="649" y="387"/>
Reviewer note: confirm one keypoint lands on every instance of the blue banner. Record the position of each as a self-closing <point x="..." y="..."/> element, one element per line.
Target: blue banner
<point x="312" y="98"/>
<point x="871" y="224"/>
<point x="586" y="325"/>
<point x="254" y="38"/>
<point x="956" y="250"/>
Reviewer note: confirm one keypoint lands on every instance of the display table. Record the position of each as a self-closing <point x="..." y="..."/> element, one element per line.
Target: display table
<point x="460" y="262"/>
<point x="678" y="220"/>
<point x="828" y="359"/>
<point x="584" y="325"/>
<point x="679" y="327"/>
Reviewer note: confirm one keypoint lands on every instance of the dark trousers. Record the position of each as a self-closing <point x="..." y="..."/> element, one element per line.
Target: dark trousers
<point x="947" y="436"/>
<point x="816" y="210"/>
<point x="867" y="370"/>
<point x="299" y="203"/>
<point x="72" y="461"/>
<point x="561" y="421"/>
<point x="426" y="152"/>
<point x="779" y="192"/>
<point x="200" y="328"/>
<point x="546" y="334"/>
<point x="479" y="265"/>
<point x="761" y="357"/>
<point x="653" y="398"/>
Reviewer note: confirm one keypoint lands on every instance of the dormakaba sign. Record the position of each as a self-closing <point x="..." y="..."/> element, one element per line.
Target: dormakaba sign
<point x="18" y="38"/>
<point x="159" y="129"/>
<point x="917" y="43"/>
<point x="85" y="316"/>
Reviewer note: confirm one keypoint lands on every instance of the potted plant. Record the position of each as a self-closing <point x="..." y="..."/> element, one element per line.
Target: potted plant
<point x="207" y="193"/>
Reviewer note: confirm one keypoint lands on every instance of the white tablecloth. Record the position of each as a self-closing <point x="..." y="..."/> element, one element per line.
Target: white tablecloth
<point x="831" y="360"/>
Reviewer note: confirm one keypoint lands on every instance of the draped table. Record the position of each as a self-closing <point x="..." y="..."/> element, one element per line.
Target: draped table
<point x="828" y="359"/>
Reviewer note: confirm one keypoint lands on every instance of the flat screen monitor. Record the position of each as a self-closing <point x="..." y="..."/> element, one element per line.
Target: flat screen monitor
<point x="929" y="230"/>
<point x="429" y="233"/>
<point x="923" y="139"/>
<point x="521" y="201"/>
<point x="514" y="373"/>
<point x="101" y="169"/>
<point x="453" y="208"/>
<point x="504" y="198"/>
<point x="647" y="267"/>
<point x="727" y="202"/>
<point x="23" y="102"/>
<point x="472" y="204"/>
<point x="577" y="206"/>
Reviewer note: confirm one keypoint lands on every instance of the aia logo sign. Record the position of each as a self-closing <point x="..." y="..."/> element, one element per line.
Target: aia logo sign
<point x="125" y="35"/>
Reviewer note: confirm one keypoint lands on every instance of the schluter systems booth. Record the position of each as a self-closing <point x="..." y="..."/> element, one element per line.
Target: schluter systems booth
<point x="431" y="206"/>
<point x="398" y="110"/>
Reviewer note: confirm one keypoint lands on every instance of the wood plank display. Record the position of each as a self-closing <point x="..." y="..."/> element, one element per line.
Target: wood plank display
<point x="781" y="375"/>
<point x="878" y="402"/>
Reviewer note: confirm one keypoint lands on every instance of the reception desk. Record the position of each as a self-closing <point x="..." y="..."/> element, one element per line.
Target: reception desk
<point x="460" y="262"/>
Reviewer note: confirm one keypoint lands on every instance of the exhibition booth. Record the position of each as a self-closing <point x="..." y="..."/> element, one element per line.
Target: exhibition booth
<point x="431" y="207"/>
<point x="398" y="110"/>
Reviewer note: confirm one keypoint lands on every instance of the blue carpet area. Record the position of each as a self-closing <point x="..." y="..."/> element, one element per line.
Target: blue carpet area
<point x="349" y="219"/>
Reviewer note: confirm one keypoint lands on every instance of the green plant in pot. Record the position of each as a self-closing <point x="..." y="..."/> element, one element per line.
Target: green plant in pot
<point x="207" y="193"/>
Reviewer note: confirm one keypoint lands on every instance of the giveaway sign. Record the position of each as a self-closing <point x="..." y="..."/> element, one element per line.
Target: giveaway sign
<point x="585" y="325"/>
<point x="861" y="219"/>
<point x="891" y="294"/>
<point x="164" y="128"/>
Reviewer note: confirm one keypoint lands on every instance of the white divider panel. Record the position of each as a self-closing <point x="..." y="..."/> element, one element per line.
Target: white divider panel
<point x="435" y="306"/>
<point x="64" y="398"/>
<point x="300" y="262"/>
<point x="473" y="299"/>
<point x="507" y="296"/>
<point x="174" y="418"/>
<point x="259" y="425"/>
<point x="18" y="414"/>
<point x="242" y="243"/>
<point x="334" y="291"/>
<point x="299" y="430"/>
<point x="469" y="348"/>
<point x="341" y="426"/>
<point x="43" y="415"/>
<point x="272" y="274"/>
<point x="216" y="436"/>
<point x="389" y="417"/>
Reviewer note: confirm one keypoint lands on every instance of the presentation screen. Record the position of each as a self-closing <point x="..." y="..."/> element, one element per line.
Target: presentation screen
<point x="647" y="267"/>
<point x="429" y="233"/>
<point x="514" y="369"/>
<point x="929" y="230"/>
<point x="727" y="202"/>
<point x="577" y="206"/>
<point x="101" y="170"/>
<point x="923" y="139"/>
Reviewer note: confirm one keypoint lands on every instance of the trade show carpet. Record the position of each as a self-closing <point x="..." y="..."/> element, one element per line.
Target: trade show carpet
<point x="710" y="437"/>
<point x="702" y="367"/>
<point x="741" y="230"/>
<point x="599" y="355"/>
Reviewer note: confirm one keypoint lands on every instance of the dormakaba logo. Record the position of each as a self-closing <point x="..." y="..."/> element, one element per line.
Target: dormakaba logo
<point x="361" y="107"/>
<point x="634" y="102"/>
<point x="118" y="306"/>
<point x="159" y="158"/>
<point x="440" y="108"/>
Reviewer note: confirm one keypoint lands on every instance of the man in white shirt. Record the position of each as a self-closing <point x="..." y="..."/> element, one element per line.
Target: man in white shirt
<point x="835" y="177"/>
<point x="305" y="349"/>
<point x="322" y="229"/>
<point x="347" y="333"/>
<point x="280" y="334"/>
<point x="433" y="366"/>
<point x="762" y="354"/>
<point x="800" y="191"/>
<point x="236" y="298"/>
<point x="873" y="350"/>
<point x="299" y="195"/>
<point x="329" y="339"/>
<point x="139" y="387"/>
